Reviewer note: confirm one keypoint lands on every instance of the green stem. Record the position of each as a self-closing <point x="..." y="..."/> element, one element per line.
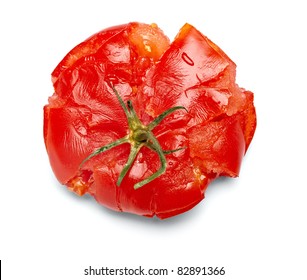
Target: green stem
<point x="160" y="118"/>
<point x="133" y="119"/>
<point x="133" y="153"/>
<point x="106" y="147"/>
<point x="122" y="103"/>
<point x="167" y="152"/>
<point x="138" y="136"/>
<point x="156" y="146"/>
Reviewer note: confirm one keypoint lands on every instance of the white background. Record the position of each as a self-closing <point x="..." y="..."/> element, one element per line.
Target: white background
<point x="253" y="226"/>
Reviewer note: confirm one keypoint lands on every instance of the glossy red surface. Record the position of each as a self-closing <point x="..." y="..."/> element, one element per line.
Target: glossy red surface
<point x="84" y="114"/>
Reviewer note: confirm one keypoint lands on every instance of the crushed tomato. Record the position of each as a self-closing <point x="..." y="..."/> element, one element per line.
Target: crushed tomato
<point x="180" y="116"/>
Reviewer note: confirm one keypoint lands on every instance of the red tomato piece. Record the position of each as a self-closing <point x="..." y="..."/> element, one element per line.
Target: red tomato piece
<point x="144" y="125"/>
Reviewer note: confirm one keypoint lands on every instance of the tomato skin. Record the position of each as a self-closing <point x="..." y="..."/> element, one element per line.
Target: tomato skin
<point x="210" y="137"/>
<point x="89" y="46"/>
<point x="224" y="150"/>
<point x="196" y="67"/>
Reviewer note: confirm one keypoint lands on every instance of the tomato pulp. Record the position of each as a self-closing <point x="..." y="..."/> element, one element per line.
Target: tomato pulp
<point x="144" y="125"/>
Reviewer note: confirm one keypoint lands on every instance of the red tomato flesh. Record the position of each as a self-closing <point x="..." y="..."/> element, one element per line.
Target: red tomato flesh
<point x="205" y="141"/>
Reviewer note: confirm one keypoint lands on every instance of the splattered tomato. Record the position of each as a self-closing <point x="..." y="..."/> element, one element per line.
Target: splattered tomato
<point x="144" y="125"/>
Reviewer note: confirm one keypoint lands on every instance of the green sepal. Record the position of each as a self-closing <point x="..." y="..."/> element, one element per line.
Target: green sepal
<point x="138" y="136"/>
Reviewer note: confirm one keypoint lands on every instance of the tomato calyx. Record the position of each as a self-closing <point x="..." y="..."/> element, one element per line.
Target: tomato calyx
<point x="139" y="136"/>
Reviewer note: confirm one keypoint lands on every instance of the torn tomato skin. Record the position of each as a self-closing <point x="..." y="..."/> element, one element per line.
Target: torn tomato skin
<point x="89" y="46"/>
<point x="154" y="74"/>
